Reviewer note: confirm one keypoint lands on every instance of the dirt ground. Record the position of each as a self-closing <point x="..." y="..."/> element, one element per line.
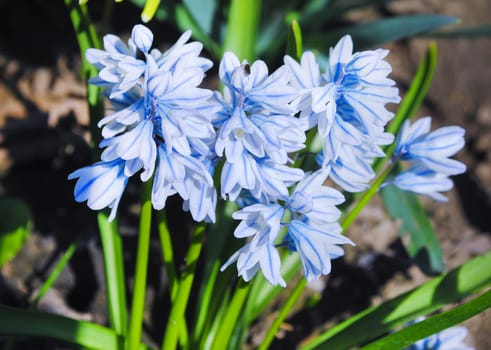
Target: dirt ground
<point x="43" y="134"/>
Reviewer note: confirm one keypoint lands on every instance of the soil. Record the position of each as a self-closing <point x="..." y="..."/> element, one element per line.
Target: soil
<point x="44" y="135"/>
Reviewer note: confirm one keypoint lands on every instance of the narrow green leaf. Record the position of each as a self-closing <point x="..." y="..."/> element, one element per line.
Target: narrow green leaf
<point x="373" y="322"/>
<point x="423" y="245"/>
<point x="435" y="324"/>
<point x="374" y="33"/>
<point x="483" y="31"/>
<point x="15" y="227"/>
<point x="233" y="312"/>
<point x="186" y="21"/>
<point x="412" y="101"/>
<point x="314" y="17"/>
<point x="203" y="12"/>
<point x="294" y="42"/>
<point x="263" y="292"/>
<point x="16" y="322"/>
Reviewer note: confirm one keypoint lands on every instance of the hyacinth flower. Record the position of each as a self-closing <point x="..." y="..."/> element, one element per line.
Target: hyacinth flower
<point x="161" y="124"/>
<point x="313" y="231"/>
<point x="257" y="129"/>
<point x="347" y="105"/>
<point x="428" y="154"/>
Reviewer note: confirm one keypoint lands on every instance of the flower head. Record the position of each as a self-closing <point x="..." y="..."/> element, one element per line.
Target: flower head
<point x="347" y="104"/>
<point x="256" y="126"/>
<point x="428" y="154"/>
<point x="101" y="185"/>
<point x="162" y="120"/>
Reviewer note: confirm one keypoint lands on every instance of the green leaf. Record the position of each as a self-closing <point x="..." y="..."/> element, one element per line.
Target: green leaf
<point x="412" y="101"/>
<point x="373" y="322"/>
<point x="314" y="17"/>
<point x="294" y="41"/>
<point x="203" y="12"/>
<point x="435" y="324"/>
<point x="474" y="32"/>
<point x="16" y="322"/>
<point x="15" y="227"/>
<point x="423" y="245"/>
<point x="242" y="28"/>
<point x="186" y="21"/>
<point x="374" y="33"/>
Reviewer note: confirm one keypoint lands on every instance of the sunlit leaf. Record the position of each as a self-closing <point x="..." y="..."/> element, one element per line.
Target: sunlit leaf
<point x="435" y="324"/>
<point x="373" y="322"/>
<point x="15" y="227"/>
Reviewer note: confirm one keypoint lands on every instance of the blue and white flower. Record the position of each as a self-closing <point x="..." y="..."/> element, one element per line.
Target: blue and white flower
<point x="431" y="149"/>
<point x="256" y="126"/>
<point x="428" y="154"/>
<point x="313" y="231"/>
<point x="118" y="65"/>
<point x="162" y="120"/>
<point x="262" y="223"/>
<point x="347" y="104"/>
<point x="102" y="185"/>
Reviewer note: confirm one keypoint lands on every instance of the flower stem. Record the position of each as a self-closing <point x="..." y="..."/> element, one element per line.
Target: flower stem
<point x="140" y="281"/>
<point x="285" y="310"/>
<point x="170" y="267"/>
<point x="365" y="198"/>
<point x="112" y="249"/>
<point x="167" y="254"/>
<point x="235" y="308"/>
<point x="242" y="28"/>
<point x="176" y="321"/>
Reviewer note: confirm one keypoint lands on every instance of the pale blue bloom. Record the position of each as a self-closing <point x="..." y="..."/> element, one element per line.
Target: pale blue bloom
<point x="118" y="65"/>
<point x="347" y="104"/>
<point x="257" y="127"/>
<point x="428" y="153"/>
<point x="101" y="185"/>
<point x="186" y="175"/>
<point x="431" y="149"/>
<point x="448" y="339"/>
<point x="262" y="223"/>
<point x="421" y="180"/>
<point x="313" y="232"/>
<point x="162" y="120"/>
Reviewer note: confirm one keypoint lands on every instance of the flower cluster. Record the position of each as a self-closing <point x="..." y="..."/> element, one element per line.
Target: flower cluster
<point x="171" y="131"/>
<point x="347" y="104"/>
<point x="428" y="154"/>
<point x="161" y="124"/>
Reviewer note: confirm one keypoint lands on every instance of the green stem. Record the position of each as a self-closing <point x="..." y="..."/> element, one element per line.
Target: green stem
<point x="365" y="198"/>
<point x="285" y="310"/>
<point x="140" y="281"/>
<point x="170" y="267"/>
<point x="59" y="267"/>
<point x="112" y="249"/>
<point x="176" y="320"/>
<point x="235" y="308"/>
<point x="242" y="28"/>
<point x="167" y="254"/>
